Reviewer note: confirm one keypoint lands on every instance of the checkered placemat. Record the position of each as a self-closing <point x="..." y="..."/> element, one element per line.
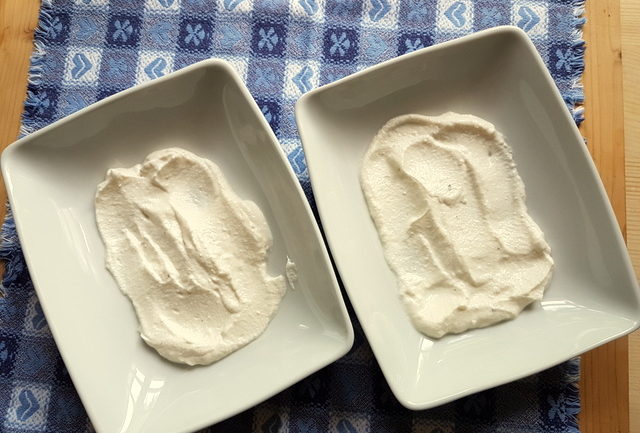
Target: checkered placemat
<point x="89" y="49"/>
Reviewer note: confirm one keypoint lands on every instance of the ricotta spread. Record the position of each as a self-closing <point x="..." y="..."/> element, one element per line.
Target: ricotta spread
<point x="291" y="271"/>
<point x="449" y="207"/>
<point x="190" y="254"/>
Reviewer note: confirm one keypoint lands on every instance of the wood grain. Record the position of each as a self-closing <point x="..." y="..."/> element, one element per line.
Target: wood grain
<point x="604" y="382"/>
<point x="604" y="386"/>
<point x="630" y="39"/>
<point x="18" y="19"/>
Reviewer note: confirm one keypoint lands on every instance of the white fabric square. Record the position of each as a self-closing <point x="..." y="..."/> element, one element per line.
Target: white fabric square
<point x="28" y="407"/>
<point x="91" y="3"/>
<point x="300" y="77"/>
<point x="454" y="16"/>
<point x="240" y="64"/>
<point x="344" y="421"/>
<point x="82" y="66"/>
<point x="308" y="9"/>
<point x="235" y="5"/>
<point x="35" y="322"/>
<point x="163" y="5"/>
<point x="153" y="64"/>
<point x="530" y="16"/>
<point x="289" y="144"/>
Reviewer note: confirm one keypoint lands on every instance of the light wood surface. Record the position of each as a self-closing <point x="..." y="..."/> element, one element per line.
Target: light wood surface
<point x="604" y="382"/>
<point x="630" y="39"/>
<point x="18" y="18"/>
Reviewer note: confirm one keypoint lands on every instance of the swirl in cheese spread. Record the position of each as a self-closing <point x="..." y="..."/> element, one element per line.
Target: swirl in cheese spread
<point x="189" y="254"/>
<point x="449" y="207"/>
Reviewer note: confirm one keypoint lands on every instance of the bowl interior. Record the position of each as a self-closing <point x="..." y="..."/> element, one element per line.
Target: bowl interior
<point x="498" y="76"/>
<point x="52" y="177"/>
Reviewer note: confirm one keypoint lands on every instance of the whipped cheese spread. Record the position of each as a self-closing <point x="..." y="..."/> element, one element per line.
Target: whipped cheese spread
<point x="449" y="207"/>
<point x="190" y="254"/>
<point x="291" y="271"/>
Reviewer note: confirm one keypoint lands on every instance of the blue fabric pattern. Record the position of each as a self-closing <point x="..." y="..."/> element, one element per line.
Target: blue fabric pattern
<point x="86" y="50"/>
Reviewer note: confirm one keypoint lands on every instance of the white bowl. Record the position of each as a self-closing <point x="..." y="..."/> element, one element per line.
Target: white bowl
<point x="498" y="75"/>
<point x="52" y="176"/>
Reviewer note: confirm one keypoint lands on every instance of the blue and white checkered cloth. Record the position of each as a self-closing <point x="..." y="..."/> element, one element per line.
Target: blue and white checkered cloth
<point x="89" y="49"/>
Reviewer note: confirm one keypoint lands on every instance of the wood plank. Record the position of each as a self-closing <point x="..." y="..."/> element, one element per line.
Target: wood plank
<point x="604" y="384"/>
<point x="630" y="39"/>
<point x="18" y="19"/>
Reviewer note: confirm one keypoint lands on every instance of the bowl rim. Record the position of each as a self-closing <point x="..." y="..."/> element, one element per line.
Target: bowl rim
<point x="521" y="36"/>
<point x="232" y="75"/>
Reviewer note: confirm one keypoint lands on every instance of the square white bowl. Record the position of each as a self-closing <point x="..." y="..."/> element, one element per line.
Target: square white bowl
<point x="51" y="178"/>
<point x="498" y="75"/>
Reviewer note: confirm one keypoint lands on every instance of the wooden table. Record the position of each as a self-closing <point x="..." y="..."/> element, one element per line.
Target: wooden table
<point x="608" y="371"/>
<point x="605" y="371"/>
